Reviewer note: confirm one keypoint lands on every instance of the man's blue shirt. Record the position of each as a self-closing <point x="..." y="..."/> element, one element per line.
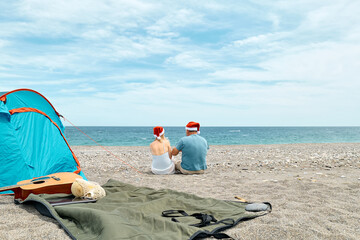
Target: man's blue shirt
<point x="194" y="149"/>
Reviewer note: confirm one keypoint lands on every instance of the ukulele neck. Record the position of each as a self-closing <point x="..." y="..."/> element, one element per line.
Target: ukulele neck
<point x="33" y="181"/>
<point x="2" y="189"/>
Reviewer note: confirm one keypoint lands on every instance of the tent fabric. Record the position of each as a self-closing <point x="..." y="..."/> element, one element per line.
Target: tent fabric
<point x="32" y="141"/>
<point x="132" y="212"/>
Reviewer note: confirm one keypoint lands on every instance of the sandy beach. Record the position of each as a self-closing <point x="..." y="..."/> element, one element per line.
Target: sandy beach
<point x="314" y="188"/>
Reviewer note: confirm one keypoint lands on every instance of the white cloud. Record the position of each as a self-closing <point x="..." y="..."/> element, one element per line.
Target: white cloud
<point x="84" y="11"/>
<point x="252" y="40"/>
<point x="98" y="34"/>
<point x="8" y="75"/>
<point x="188" y="60"/>
<point x="275" y="19"/>
<point x="78" y="89"/>
<point x="143" y="61"/>
<point x="17" y="82"/>
<point x="71" y="18"/>
<point x="316" y="63"/>
<point x="139" y="47"/>
<point x="148" y="106"/>
<point x="175" y="19"/>
<point x="3" y="43"/>
<point x="338" y="15"/>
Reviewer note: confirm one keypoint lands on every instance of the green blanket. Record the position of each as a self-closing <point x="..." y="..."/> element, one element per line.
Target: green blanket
<point x="131" y="212"/>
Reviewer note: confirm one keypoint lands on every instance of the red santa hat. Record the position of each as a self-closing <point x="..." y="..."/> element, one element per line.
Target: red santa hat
<point x="193" y="126"/>
<point x="158" y="132"/>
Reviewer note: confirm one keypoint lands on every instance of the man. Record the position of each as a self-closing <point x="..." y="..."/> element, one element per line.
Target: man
<point x="194" y="149"/>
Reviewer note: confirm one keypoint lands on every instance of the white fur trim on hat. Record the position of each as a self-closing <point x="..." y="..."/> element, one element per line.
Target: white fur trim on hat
<point x="193" y="129"/>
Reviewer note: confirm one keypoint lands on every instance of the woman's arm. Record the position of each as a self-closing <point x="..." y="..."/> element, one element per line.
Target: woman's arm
<point x="169" y="151"/>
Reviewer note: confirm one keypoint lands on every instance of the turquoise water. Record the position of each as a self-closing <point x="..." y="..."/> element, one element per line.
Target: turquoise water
<point x="143" y="136"/>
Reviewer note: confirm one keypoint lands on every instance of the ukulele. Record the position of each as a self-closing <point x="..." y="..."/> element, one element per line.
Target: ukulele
<point x="53" y="183"/>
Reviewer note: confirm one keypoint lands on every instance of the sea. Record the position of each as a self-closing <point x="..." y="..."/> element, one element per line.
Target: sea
<point x="143" y="136"/>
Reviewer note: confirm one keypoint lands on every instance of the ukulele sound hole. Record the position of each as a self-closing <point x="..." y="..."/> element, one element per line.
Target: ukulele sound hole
<point x="39" y="182"/>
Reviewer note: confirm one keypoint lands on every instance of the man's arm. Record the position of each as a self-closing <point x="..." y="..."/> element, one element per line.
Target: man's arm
<point x="175" y="151"/>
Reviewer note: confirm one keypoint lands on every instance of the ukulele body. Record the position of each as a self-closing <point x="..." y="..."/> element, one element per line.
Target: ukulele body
<point x="50" y="184"/>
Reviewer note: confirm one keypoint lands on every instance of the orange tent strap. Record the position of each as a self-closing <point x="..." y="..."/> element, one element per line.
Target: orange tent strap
<point x="3" y="97"/>
<point x="27" y="109"/>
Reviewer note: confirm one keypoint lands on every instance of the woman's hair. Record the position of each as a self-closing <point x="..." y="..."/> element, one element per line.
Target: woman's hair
<point x="161" y="137"/>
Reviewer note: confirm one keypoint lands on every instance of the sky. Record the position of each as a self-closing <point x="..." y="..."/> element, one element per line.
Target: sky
<point x="219" y="63"/>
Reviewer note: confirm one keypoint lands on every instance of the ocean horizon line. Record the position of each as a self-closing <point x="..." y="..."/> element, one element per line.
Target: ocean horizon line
<point x="245" y="144"/>
<point x="224" y="135"/>
<point x="212" y="126"/>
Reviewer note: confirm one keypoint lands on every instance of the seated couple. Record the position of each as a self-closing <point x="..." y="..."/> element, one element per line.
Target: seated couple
<point x="193" y="147"/>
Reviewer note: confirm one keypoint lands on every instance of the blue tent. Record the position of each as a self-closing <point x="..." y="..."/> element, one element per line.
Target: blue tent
<point x="32" y="140"/>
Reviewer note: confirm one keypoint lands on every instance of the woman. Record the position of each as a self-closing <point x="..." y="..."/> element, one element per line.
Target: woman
<point x="161" y="153"/>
